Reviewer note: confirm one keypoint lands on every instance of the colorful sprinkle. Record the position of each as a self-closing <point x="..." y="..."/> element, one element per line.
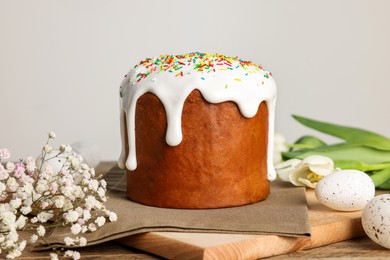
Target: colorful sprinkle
<point x="201" y="62"/>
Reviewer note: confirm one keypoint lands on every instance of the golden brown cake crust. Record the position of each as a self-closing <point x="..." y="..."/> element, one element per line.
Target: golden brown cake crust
<point x="221" y="161"/>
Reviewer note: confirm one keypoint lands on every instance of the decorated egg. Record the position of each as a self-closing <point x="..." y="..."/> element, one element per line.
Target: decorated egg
<point x="345" y="190"/>
<point x="376" y="220"/>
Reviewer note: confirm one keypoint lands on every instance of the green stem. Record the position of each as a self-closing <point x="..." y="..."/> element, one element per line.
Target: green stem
<point x="300" y="146"/>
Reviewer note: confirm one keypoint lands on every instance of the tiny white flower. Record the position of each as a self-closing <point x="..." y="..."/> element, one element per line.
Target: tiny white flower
<point x="71" y="216"/>
<point x="14" y="253"/>
<point x="52" y="135"/>
<point x="92" y="172"/>
<point x="90" y="201"/>
<point x="103" y="183"/>
<point x="59" y="202"/>
<point x="68" y="205"/>
<point x="100" y="221"/>
<point x="79" y="210"/>
<point x="62" y="148"/>
<point x="30" y="166"/>
<point x="34" y="220"/>
<point x="22" y="245"/>
<point x="112" y="216"/>
<point x="33" y="238"/>
<point x="3" y="174"/>
<point x="28" y="188"/>
<point x="85" y="166"/>
<point x="86" y="215"/>
<point x="69" y="192"/>
<point x="21" y="222"/>
<point x="47" y="148"/>
<point x="42" y="186"/>
<point x="83" y="241"/>
<point x="12" y="237"/>
<point x="84" y="229"/>
<point x="68" y="148"/>
<point x="15" y="203"/>
<point x="43" y="217"/>
<point x="73" y="254"/>
<point x="12" y="184"/>
<point x="312" y="169"/>
<point x="4" y="153"/>
<point x="25" y="210"/>
<point x="78" y="192"/>
<point x="2" y="187"/>
<point x="41" y="230"/>
<point x="53" y="256"/>
<point x="92" y="227"/>
<point x="8" y="218"/>
<point x="76" y="255"/>
<point x="69" y="241"/>
<point x="86" y="175"/>
<point x="74" y="162"/>
<point x="75" y="229"/>
<point x="10" y="166"/>
<point x="93" y="185"/>
<point x="101" y="192"/>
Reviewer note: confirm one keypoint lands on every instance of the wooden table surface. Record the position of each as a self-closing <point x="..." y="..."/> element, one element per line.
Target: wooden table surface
<point x="360" y="248"/>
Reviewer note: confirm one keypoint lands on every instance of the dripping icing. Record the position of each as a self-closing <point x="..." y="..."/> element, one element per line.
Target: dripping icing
<point x="247" y="86"/>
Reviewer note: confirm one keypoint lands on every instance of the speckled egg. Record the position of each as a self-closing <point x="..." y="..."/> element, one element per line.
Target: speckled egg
<point x="376" y="220"/>
<point x="345" y="190"/>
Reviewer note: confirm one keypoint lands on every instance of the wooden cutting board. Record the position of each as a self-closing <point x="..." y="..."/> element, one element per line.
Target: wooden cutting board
<point x="328" y="227"/>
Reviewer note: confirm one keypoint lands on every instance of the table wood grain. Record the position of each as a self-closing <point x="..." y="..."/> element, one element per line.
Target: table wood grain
<point x="360" y="248"/>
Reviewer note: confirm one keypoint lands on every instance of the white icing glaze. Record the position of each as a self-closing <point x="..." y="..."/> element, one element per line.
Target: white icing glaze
<point x="247" y="87"/>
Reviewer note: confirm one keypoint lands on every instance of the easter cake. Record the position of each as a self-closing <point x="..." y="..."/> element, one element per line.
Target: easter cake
<point x="197" y="131"/>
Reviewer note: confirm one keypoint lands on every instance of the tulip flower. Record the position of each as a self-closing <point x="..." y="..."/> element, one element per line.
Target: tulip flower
<point x="283" y="169"/>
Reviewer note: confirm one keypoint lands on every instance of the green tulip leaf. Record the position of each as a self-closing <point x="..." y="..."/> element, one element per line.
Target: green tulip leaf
<point x="381" y="177"/>
<point x="385" y="185"/>
<point x="349" y="134"/>
<point x="356" y="165"/>
<point x="344" y="152"/>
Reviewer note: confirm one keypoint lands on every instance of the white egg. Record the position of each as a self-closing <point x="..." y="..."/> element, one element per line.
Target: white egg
<point x="376" y="220"/>
<point x="345" y="190"/>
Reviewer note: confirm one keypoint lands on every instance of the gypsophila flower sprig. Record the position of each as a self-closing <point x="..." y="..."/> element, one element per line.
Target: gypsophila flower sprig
<point x="57" y="189"/>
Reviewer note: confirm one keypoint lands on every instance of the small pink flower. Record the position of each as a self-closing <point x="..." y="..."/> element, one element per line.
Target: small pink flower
<point x="3" y="173"/>
<point x="54" y="187"/>
<point x="81" y="221"/>
<point x="4" y="153"/>
<point x="26" y="179"/>
<point x="19" y="170"/>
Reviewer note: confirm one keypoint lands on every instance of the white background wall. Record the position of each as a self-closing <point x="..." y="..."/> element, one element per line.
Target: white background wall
<point x="61" y="62"/>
